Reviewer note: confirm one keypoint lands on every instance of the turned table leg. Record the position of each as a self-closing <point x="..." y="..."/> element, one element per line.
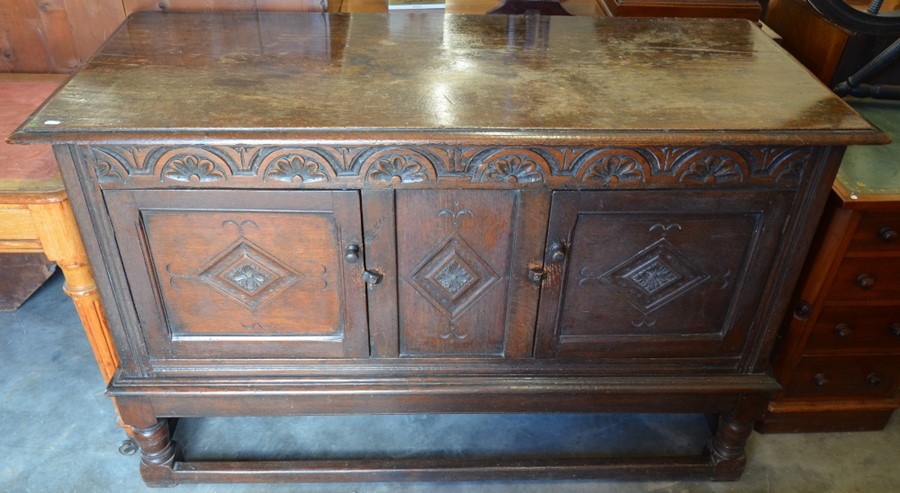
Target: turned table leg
<point x="158" y="453"/>
<point x="62" y="244"/>
<point x="727" y="447"/>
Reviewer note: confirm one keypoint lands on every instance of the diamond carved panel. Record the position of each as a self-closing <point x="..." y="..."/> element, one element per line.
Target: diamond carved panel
<point x="245" y="273"/>
<point x="453" y="277"/>
<point x="653" y="277"/>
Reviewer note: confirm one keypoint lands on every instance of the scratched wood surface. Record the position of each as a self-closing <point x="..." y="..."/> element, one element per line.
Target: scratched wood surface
<point x="576" y="79"/>
<point x="56" y="36"/>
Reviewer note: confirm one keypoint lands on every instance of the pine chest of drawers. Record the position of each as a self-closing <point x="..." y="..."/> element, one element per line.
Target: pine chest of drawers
<point x="326" y="214"/>
<point x="839" y="359"/>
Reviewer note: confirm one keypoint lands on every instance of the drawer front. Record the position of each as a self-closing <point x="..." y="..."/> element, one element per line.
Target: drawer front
<point x="226" y="274"/>
<point x="859" y="327"/>
<point x="662" y="274"/>
<point x="867" y="279"/>
<point x="844" y="376"/>
<point x="877" y="232"/>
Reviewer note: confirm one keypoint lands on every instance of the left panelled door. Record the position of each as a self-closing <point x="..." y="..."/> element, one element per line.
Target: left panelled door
<point x="244" y="274"/>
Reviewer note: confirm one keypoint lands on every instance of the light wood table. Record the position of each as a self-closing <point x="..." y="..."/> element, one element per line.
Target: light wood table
<point x="35" y="214"/>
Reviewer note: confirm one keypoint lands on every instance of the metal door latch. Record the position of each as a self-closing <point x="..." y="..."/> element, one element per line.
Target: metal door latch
<point x="372" y="277"/>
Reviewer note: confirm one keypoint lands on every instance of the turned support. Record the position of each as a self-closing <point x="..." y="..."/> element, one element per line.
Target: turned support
<point x="62" y="244"/>
<point x="158" y="453"/>
<point x="727" y="447"/>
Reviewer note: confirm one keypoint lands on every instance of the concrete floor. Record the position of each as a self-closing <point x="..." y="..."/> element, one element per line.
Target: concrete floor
<point x="58" y="433"/>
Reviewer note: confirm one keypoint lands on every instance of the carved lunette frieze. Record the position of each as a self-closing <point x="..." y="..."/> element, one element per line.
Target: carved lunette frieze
<point x="480" y="166"/>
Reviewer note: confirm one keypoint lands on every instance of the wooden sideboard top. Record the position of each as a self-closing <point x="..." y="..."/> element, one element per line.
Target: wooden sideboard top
<point x="410" y="77"/>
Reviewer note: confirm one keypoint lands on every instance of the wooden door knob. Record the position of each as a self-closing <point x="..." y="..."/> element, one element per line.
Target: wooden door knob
<point x="843" y="330"/>
<point x="894" y="328"/>
<point x="865" y="281"/>
<point x="803" y="311"/>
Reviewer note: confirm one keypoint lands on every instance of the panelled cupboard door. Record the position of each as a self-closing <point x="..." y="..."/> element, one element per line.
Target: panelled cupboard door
<point x="218" y="274"/>
<point x="661" y="274"/>
<point x="462" y="259"/>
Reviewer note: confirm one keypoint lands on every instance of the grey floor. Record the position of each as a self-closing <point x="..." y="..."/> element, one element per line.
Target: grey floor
<point x="58" y="433"/>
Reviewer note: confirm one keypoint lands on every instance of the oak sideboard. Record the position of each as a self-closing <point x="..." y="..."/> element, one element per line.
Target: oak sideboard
<point x="315" y="214"/>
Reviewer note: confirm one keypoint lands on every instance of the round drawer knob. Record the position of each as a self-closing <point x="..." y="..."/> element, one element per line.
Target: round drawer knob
<point x="803" y="311"/>
<point x="894" y="328"/>
<point x="843" y="330"/>
<point x="865" y="281"/>
<point x="873" y="379"/>
<point x="820" y="380"/>
<point x="887" y="234"/>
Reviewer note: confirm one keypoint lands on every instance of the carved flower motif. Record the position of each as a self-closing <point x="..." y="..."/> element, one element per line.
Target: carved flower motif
<point x="248" y="276"/>
<point x="454" y="277"/>
<point x="615" y="169"/>
<point x="397" y="169"/>
<point x="654" y="277"/>
<point x="514" y="169"/>
<point x="188" y="167"/>
<point x="295" y="167"/>
<point x="712" y="170"/>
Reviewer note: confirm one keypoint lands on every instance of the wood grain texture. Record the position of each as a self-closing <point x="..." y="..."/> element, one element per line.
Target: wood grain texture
<point x="626" y="273"/>
<point x="36" y="215"/>
<point x="450" y="190"/>
<point x="21" y="275"/>
<point x="464" y="93"/>
<point x="454" y="254"/>
<point x="743" y="9"/>
<point x="62" y="243"/>
<point x="22" y="40"/>
<point x="816" y="42"/>
<point x="92" y="22"/>
<point x="56" y="36"/>
<point x="132" y="6"/>
<point x="277" y="274"/>
<point x="380" y="252"/>
<point x="837" y="358"/>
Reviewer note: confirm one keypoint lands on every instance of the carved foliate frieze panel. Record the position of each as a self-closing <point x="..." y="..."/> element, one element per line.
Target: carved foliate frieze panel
<point x="430" y="165"/>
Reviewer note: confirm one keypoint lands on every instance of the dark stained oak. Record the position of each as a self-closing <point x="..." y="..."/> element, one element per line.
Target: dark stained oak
<point x="344" y="214"/>
<point x="456" y="78"/>
<point x="253" y="274"/>
<point x="652" y="251"/>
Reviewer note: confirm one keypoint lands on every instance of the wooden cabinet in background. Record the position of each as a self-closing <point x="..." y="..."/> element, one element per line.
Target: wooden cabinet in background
<point x="829" y="51"/>
<point x="839" y="360"/>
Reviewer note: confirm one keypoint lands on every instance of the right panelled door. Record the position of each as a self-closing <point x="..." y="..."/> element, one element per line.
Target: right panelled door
<point x="661" y="274"/>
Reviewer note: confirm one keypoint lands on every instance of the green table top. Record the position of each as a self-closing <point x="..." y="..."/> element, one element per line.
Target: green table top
<point x="873" y="172"/>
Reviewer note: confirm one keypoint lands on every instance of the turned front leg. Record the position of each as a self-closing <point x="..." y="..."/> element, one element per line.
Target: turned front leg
<point x="158" y="453"/>
<point x="727" y="448"/>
